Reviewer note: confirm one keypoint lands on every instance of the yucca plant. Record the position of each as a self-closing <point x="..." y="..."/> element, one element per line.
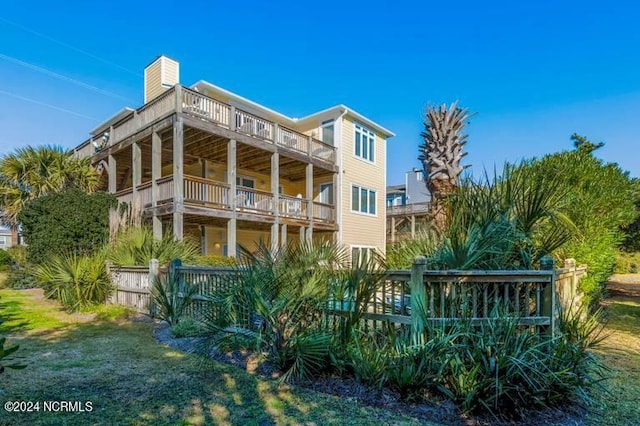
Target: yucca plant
<point x="170" y="298"/>
<point x="75" y="280"/>
<point x="280" y="300"/>
<point x="136" y="246"/>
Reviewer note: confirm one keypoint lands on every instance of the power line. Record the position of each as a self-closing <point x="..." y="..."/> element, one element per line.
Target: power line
<point x="69" y="46"/>
<point x="13" y="95"/>
<point x="62" y="77"/>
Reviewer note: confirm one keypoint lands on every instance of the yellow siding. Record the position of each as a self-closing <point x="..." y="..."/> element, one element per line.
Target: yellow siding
<point x="360" y="229"/>
<point x="153" y="81"/>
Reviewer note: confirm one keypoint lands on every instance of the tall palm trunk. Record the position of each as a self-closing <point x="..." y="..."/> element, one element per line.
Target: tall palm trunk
<point x="441" y="154"/>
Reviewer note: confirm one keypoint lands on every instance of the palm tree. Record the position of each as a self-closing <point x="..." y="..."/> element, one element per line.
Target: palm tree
<point x="441" y="154"/>
<point x="33" y="172"/>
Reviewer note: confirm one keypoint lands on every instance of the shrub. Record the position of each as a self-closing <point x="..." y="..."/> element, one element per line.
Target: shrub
<point x="279" y="300"/>
<point x="21" y="272"/>
<point x="136" y="247"/>
<point x="170" y="300"/>
<point x="188" y="327"/>
<point x="627" y="263"/>
<point x="77" y="281"/>
<point x="21" y="277"/>
<point x="5" y="260"/>
<point x="71" y="221"/>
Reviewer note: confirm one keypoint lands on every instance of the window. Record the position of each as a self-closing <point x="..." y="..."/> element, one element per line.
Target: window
<point x="360" y="255"/>
<point x="365" y="143"/>
<point x="245" y="181"/>
<point x="326" y="193"/>
<point x="328" y="132"/>
<point x="363" y="200"/>
<point x="3" y="241"/>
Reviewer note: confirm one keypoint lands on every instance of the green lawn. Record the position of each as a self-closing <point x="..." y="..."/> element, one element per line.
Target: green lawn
<point x="132" y="380"/>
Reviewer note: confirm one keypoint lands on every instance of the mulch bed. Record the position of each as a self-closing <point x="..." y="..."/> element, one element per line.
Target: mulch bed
<point x="441" y="411"/>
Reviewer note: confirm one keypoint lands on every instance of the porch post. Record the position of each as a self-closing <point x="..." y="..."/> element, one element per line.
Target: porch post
<point x="112" y="174"/>
<point x="283" y="235"/>
<point x="275" y="190"/>
<point x="231" y="181"/>
<point x="178" y="178"/>
<point x="393" y="229"/>
<point x="309" y="196"/>
<point x="136" y="175"/>
<point x="156" y="173"/>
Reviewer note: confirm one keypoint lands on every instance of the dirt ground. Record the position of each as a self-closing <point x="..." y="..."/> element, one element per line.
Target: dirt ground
<point x="624" y="287"/>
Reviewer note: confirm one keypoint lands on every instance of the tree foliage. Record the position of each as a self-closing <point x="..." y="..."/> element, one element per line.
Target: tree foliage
<point x="599" y="199"/>
<point x="32" y="172"/>
<point x="70" y="221"/>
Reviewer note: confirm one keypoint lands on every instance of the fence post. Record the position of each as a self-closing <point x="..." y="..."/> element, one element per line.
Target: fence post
<point x="418" y="298"/>
<point x="548" y="308"/>
<point x="113" y="298"/>
<point x="174" y="274"/>
<point x="154" y="275"/>
<point x="571" y="264"/>
<point x="154" y="270"/>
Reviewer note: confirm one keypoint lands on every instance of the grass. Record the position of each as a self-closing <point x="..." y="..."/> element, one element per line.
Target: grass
<point x="132" y="380"/>
<point x="618" y="405"/>
<point x="113" y="361"/>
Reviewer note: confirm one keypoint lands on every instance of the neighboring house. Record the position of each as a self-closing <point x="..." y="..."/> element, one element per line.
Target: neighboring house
<point x="8" y="238"/>
<point x="206" y="162"/>
<point x="407" y="207"/>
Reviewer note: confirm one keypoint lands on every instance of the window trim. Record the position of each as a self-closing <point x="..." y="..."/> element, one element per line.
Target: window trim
<point x="369" y="190"/>
<point x="370" y="133"/>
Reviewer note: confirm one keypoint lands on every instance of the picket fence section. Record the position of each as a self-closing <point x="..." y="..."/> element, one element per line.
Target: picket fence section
<point x="405" y="297"/>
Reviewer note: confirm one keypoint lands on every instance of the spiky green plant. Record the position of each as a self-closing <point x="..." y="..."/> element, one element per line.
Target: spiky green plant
<point x="76" y="281"/>
<point x="171" y="298"/>
<point x="136" y="246"/>
<point x="281" y="300"/>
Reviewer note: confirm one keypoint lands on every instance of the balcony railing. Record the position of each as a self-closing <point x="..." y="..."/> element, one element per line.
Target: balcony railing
<point x="204" y="107"/>
<point x="205" y="191"/>
<point x="408" y="209"/>
<point x="215" y="195"/>
<point x="293" y="206"/>
<point x="324" y="212"/>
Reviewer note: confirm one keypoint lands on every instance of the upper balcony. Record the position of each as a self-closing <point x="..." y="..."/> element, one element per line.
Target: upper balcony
<point x="194" y="105"/>
<point x="216" y="197"/>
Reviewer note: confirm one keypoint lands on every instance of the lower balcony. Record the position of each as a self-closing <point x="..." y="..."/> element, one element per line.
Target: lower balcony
<point x="213" y="198"/>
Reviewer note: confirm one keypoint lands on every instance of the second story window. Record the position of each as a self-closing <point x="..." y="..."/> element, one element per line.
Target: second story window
<point x="365" y="143"/>
<point x="363" y="200"/>
<point x="328" y="132"/>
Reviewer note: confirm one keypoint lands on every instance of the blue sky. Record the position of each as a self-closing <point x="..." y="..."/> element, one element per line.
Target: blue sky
<point x="535" y="72"/>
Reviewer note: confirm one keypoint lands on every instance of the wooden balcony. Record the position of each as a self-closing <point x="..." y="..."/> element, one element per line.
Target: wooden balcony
<point x="215" y="198"/>
<point x="189" y="103"/>
<point x="408" y="209"/>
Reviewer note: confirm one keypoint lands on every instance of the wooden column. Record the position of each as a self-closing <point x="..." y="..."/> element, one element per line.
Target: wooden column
<point x="309" y="196"/>
<point x="112" y="174"/>
<point x="136" y="174"/>
<point x="283" y="235"/>
<point x="275" y="190"/>
<point x="231" y="237"/>
<point x="548" y="302"/>
<point x="178" y="178"/>
<point x="156" y="173"/>
<point x="231" y="180"/>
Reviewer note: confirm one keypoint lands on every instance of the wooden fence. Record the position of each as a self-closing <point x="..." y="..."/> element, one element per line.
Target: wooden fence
<point x="406" y="297"/>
